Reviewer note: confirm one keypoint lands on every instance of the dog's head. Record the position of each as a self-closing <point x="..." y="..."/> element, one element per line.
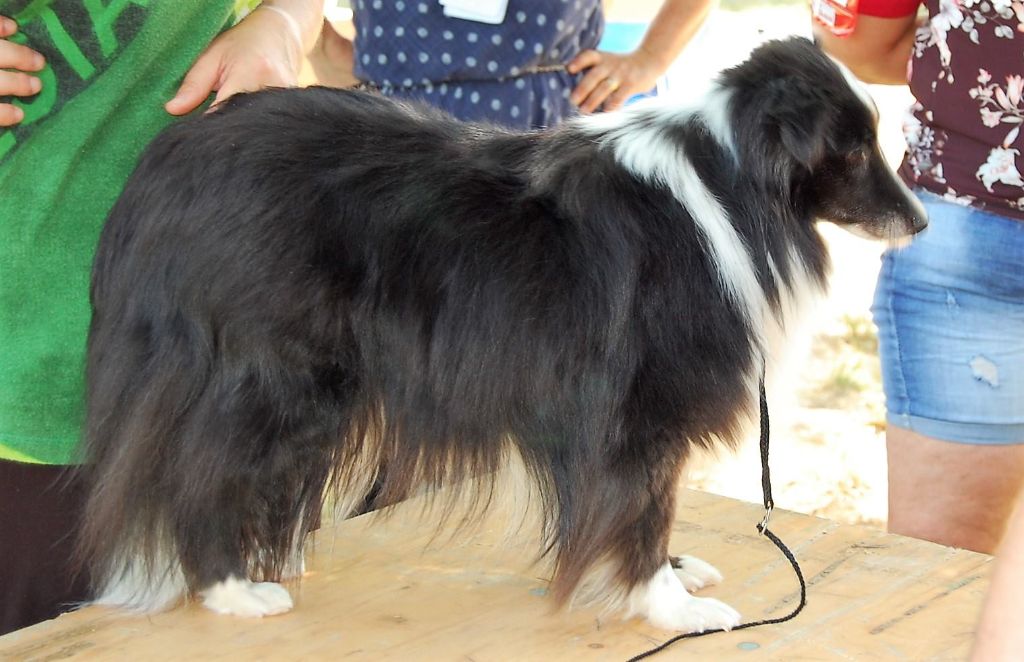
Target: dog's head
<point x="803" y="122"/>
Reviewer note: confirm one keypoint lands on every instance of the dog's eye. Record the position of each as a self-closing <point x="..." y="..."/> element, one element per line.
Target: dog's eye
<point x="857" y="156"/>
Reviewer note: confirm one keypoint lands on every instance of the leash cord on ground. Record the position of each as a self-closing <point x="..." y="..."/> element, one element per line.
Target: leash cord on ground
<point x="762" y="528"/>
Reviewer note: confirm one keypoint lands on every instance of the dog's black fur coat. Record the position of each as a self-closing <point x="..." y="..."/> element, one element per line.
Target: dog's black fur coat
<point x="308" y="285"/>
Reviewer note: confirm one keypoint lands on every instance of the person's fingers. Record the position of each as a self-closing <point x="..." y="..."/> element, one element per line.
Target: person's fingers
<point x="617" y="99"/>
<point x="22" y="58"/>
<point x="10" y="115"/>
<point x="587" y="84"/>
<point x="16" y="56"/>
<point x="584" y="60"/>
<point x="199" y="82"/>
<point x="599" y="93"/>
<point x="7" y="26"/>
<point x="14" y="83"/>
<point x="597" y="98"/>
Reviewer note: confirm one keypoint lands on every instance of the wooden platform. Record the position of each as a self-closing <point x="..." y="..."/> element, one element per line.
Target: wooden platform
<point x="373" y="593"/>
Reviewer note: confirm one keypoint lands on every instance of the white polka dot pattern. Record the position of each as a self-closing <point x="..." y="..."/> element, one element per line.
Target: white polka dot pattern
<point x="509" y="73"/>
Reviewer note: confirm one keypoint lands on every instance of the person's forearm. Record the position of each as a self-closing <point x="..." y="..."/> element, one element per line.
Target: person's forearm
<point x="673" y="27"/>
<point x="878" y="50"/>
<point x="306" y="17"/>
<point x="1000" y="634"/>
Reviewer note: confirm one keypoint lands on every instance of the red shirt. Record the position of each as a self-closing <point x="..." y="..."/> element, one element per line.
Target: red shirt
<point x="963" y="133"/>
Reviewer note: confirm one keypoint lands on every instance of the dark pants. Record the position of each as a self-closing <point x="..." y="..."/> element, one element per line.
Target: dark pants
<point x="39" y="513"/>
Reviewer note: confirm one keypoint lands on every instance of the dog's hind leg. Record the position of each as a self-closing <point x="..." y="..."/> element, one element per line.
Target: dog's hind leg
<point x="217" y="556"/>
<point x="241" y="523"/>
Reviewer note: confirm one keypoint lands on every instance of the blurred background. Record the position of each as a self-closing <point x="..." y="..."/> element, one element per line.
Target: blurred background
<point x="826" y="402"/>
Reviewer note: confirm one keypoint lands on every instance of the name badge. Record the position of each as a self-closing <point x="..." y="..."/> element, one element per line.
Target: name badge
<point x="481" y="11"/>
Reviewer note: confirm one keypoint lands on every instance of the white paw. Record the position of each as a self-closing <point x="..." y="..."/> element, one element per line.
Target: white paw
<point x="695" y="573"/>
<point x="241" y="597"/>
<point x="665" y="602"/>
<point x="696" y="615"/>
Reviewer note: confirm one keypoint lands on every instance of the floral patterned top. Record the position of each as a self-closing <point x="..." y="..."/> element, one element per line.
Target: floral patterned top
<point x="963" y="132"/>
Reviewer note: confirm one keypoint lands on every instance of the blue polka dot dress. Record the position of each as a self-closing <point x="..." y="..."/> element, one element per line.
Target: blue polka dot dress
<point x="511" y="74"/>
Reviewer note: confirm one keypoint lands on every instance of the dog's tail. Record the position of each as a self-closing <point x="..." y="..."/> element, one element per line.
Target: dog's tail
<point x="134" y="404"/>
<point x="132" y="412"/>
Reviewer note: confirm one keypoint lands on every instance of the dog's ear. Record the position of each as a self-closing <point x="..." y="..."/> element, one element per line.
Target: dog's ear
<point x="804" y="139"/>
<point x="802" y="122"/>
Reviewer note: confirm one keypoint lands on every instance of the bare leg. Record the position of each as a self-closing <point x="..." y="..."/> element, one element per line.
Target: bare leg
<point x="951" y="493"/>
<point x="1000" y="636"/>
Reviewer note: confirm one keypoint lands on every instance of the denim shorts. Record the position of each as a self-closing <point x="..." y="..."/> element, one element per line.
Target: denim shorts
<point x="950" y="315"/>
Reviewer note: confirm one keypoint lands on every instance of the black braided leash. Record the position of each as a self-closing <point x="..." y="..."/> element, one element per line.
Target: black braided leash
<point x="762" y="528"/>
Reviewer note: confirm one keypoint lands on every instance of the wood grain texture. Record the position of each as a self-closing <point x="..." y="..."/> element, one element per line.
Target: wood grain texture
<point x="393" y="590"/>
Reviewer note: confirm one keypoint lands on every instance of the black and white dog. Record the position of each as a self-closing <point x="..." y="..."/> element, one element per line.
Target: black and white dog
<point x="314" y="288"/>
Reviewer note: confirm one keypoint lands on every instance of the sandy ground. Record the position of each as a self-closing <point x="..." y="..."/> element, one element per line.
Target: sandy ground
<point x="827" y="408"/>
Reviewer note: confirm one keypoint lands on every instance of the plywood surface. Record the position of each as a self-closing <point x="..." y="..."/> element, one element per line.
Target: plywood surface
<point x="373" y="592"/>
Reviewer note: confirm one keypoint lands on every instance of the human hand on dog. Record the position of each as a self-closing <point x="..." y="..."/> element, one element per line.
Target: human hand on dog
<point x="264" y="50"/>
<point x="16" y="83"/>
<point x="333" y="59"/>
<point x="612" y="78"/>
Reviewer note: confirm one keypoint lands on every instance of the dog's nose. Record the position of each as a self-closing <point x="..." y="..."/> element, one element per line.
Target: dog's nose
<point x="918" y="215"/>
<point x="919" y="221"/>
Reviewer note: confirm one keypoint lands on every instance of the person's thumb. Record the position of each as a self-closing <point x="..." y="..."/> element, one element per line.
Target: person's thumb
<point x="199" y="82"/>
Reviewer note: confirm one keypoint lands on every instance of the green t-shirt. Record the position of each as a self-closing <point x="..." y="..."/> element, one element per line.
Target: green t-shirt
<point x="111" y="65"/>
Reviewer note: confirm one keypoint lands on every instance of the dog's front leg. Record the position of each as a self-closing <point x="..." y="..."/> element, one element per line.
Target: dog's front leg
<point x="665" y="602"/>
<point x="661" y="584"/>
<point x="619" y="534"/>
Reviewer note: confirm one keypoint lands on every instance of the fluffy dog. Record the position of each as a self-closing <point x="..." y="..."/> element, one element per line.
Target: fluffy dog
<point x="316" y="288"/>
